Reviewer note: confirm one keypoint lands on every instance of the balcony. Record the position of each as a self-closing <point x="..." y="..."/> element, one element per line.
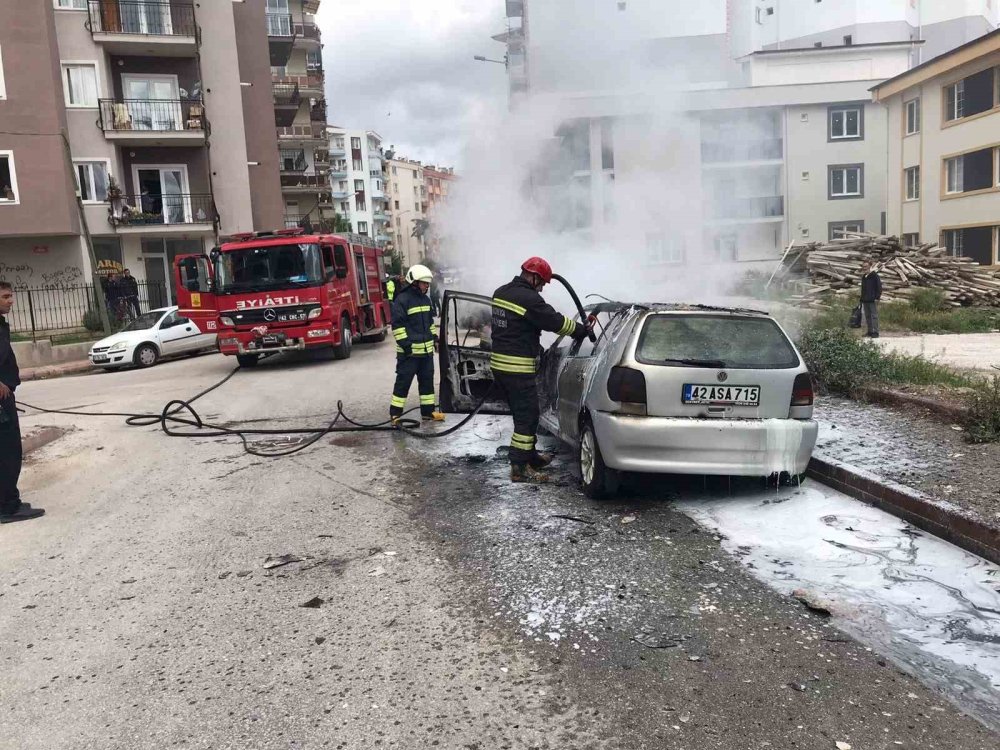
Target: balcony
<point x="748" y="210"/>
<point x="179" y="212"/>
<point x="317" y="112"/>
<point x="312" y="134"/>
<point x="321" y="159"/>
<point x="337" y="150"/>
<point x="764" y="150"/>
<point x="304" y="183"/>
<point x="340" y="195"/>
<point x="132" y="27"/>
<point x="374" y="155"/>
<point x="311" y="85"/>
<point x="153" y="122"/>
<point x="308" y="34"/>
<point x="280" y="37"/>
<point x="286" y="103"/>
<point x="292" y="161"/>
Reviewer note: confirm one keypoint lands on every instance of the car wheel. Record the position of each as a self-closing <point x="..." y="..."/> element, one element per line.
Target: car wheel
<point x="343" y="349"/>
<point x="248" y="360"/>
<point x="787" y="479"/>
<point x="145" y="356"/>
<point x="598" y="480"/>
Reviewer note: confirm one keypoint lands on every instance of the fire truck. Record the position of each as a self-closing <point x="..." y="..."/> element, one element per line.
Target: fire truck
<point x="269" y="292"/>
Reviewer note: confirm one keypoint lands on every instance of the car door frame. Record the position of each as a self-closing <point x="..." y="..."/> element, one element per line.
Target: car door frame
<point x="185" y="338"/>
<point x="450" y="362"/>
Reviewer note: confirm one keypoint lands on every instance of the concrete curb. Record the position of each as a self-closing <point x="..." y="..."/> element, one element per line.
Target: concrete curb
<point x="35" y="440"/>
<point x="934" y="516"/>
<point x="896" y="398"/>
<point x="55" y="371"/>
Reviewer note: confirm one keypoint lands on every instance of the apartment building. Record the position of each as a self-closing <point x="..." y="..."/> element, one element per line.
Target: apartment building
<point x="944" y="150"/>
<point x="406" y="191"/>
<point x="358" y="181"/>
<point x="771" y="133"/>
<point x="168" y="144"/>
<point x="299" y="101"/>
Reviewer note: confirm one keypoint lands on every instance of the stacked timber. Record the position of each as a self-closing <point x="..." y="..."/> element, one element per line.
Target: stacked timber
<point x="833" y="269"/>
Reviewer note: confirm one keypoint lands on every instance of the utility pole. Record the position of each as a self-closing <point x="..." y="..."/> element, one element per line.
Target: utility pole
<point x="95" y="277"/>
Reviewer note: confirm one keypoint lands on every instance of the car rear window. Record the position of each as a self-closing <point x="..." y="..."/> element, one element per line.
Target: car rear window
<point x="735" y="342"/>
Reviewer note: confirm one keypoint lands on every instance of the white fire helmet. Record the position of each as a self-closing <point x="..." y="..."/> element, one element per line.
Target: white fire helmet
<point x="419" y="273"/>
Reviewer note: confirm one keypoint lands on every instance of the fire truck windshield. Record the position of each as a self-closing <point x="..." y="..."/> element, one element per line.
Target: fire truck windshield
<point x="259" y="269"/>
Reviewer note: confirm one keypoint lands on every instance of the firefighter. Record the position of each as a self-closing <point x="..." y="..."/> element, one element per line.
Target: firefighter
<point x="415" y="332"/>
<point x="519" y="317"/>
<point x="390" y="288"/>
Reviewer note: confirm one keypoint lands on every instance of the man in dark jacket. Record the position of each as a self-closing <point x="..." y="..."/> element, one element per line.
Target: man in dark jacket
<point x="129" y="288"/>
<point x="415" y="332"/>
<point x="11" y="507"/>
<point x="519" y="317"/>
<point x="871" y="293"/>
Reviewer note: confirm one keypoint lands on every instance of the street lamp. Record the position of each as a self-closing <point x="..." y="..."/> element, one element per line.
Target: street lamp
<point x="481" y="58"/>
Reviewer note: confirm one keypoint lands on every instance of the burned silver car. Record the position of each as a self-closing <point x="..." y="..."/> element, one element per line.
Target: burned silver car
<point x="678" y="389"/>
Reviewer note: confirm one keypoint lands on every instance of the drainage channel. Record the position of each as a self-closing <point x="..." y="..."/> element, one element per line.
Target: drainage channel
<point x="929" y="606"/>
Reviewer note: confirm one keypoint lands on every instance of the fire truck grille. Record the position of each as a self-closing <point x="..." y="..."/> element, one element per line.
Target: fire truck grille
<point x="272" y="316"/>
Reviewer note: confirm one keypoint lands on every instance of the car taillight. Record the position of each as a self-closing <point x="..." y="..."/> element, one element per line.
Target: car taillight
<point x="627" y="386"/>
<point x="802" y="390"/>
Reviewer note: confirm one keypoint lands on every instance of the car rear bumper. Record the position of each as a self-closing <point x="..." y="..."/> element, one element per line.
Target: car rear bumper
<point x="733" y="447"/>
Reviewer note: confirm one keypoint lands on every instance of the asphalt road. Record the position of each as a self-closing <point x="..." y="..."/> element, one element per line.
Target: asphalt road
<point x="456" y="612"/>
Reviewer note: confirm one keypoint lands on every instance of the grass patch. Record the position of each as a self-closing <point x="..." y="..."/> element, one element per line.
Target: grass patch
<point x="75" y="337"/>
<point x="983" y="424"/>
<point x="920" y="315"/>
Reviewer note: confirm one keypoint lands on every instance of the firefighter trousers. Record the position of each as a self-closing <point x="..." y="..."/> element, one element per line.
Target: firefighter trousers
<point x="421" y="367"/>
<point x="521" y="393"/>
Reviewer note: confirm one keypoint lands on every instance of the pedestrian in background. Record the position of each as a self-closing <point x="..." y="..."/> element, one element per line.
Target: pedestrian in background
<point x="130" y="293"/>
<point x="11" y="507"/>
<point x="871" y="293"/>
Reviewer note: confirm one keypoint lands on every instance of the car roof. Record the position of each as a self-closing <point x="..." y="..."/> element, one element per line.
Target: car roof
<point x="668" y="307"/>
<point x="163" y="310"/>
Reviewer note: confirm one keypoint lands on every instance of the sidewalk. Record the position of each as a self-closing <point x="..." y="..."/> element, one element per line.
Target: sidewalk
<point x="970" y="351"/>
<point x="56" y="371"/>
<point x="912" y="465"/>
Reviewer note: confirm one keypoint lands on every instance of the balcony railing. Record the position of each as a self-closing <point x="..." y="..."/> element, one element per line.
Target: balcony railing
<point x="307" y="31"/>
<point x="312" y="81"/>
<point x="312" y="132"/>
<point x="313" y="181"/>
<point x="157" y="210"/>
<point x="280" y="24"/>
<point x="292" y="161"/>
<point x="146" y="18"/>
<point x="765" y="207"/>
<point x="768" y="149"/>
<point x="286" y="94"/>
<point x="154" y="115"/>
<point x="321" y="158"/>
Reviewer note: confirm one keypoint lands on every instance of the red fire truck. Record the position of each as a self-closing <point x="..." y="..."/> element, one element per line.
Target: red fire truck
<point x="269" y="292"/>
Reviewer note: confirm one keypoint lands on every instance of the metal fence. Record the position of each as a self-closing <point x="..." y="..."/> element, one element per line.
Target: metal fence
<point x="142" y="17"/>
<point x="157" y="115"/>
<point x="170" y="208"/>
<point x="44" y="311"/>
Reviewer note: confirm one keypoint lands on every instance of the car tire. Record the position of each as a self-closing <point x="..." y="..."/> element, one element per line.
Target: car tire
<point x="787" y="479"/>
<point x="248" y="360"/>
<point x="146" y="355"/>
<point x="343" y="349"/>
<point x="599" y="482"/>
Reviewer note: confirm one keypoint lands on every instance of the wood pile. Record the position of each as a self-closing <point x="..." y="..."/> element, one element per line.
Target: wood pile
<point x="833" y="269"/>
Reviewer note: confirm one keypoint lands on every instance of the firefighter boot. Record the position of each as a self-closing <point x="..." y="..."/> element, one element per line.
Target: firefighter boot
<point x="436" y="416"/>
<point x="540" y="460"/>
<point x="525" y="473"/>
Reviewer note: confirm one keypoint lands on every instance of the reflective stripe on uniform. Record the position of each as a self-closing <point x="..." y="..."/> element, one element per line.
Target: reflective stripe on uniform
<point x="418" y="309"/>
<point x="398" y="401"/>
<point x="425" y="347"/>
<point x="522" y="442"/>
<point x="512" y="363"/>
<point x="568" y="327"/>
<point x="428" y="400"/>
<point x="434" y="329"/>
<point x="399" y="333"/>
<point x="509" y="306"/>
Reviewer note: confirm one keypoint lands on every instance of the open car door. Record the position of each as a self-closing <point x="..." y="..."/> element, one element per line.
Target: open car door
<point x="464" y="345"/>
<point x="194" y="282"/>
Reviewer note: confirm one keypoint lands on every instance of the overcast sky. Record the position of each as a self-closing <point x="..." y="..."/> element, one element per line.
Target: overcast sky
<point x="404" y="68"/>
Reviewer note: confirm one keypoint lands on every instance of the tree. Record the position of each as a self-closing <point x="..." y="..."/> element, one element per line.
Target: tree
<point x="395" y="263"/>
<point x="341" y="224"/>
<point x="421" y="229"/>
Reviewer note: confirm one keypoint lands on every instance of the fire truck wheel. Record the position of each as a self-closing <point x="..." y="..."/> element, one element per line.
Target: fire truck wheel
<point x="145" y="356"/>
<point x="343" y="349"/>
<point x="248" y="360"/>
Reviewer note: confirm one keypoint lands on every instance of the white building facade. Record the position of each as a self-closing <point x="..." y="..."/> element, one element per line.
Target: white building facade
<point x="404" y="182"/>
<point x="357" y="181"/>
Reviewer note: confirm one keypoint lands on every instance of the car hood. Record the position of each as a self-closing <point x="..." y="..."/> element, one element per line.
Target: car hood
<point x="129" y="337"/>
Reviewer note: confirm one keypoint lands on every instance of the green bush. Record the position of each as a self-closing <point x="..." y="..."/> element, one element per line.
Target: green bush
<point x="928" y="301"/>
<point x="92" y="321"/>
<point x="983" y="422"/>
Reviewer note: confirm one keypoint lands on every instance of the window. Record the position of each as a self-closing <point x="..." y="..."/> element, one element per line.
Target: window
<point x="397" y="204"/>
<point x="71" y="4"/>
<point x="847" y="123"/>
<point x="970" y="96"/>
<point x="848" y="40"/>
<point x="92" y="179"/>
<point x="954" y="175"/>
<point x="8" y="179"/>
<point x="80" y="82"/>
<point x="952" y="239"/>
<point x="911" y="239"/>
<point x="345" y="207"/>
<point x="664" y="249"/>
<point x="913" y="116"/>
<point x="356" y="143"/>
<point x="356" y="165"/>
<point x="971" y="242"/>
<point x="840" y="229"/>
<point x="359" y="185"/>
<point x="363" y="227"/>
<point x="913" y="183"/>
<point x="847" y="181"/>
<point x="359" y="203"/>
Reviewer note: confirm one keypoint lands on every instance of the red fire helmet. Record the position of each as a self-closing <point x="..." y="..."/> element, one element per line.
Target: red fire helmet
<point x="539" y="266"/>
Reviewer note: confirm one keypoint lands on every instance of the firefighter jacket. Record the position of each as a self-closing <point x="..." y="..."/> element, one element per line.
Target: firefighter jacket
<point x="390" y="289"/>
<point x="412" y="322"/>
<point x="519" y="317"/>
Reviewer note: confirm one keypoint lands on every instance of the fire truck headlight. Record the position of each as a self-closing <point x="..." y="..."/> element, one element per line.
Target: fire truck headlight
<point x="313" y="314"/>
<point x="318" y="333"/>
<point x="226" y="321"/>
<point x="229" y="342"/>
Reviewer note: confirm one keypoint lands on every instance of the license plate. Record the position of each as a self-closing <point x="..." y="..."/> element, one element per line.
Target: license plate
<point x="272" y="340"/>
<point x="727" y="395"/>
<point x="99" y="360"/>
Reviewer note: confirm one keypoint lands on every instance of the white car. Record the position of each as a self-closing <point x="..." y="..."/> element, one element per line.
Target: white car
<point x="155" y="334"/>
